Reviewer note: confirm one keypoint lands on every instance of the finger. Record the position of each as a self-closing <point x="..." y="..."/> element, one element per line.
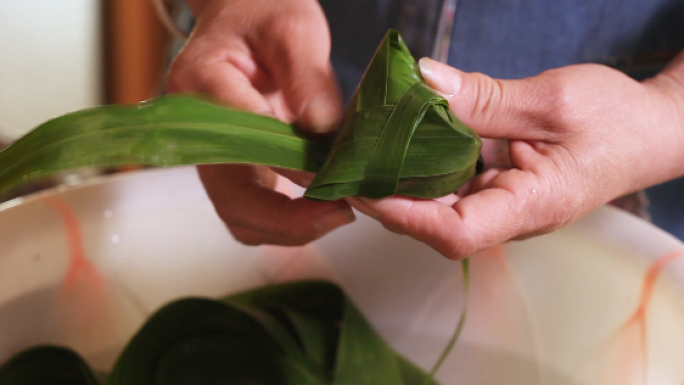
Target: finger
<point x="251" y="237"/>
<point x="366" y="206"/>
<point x="300" y="178"/>
<point x="243" y="198"/>
<point x="504" y="109"/>
<point x="483" y="180"/>
<point x="361" y="205"/>
<point x="298" y="58"/>
<point x="498" y="211"/>
<point x="227" y="75"/>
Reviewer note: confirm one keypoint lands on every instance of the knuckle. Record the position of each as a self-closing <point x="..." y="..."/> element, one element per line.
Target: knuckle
<point x="461" y="245"/>
<point x="394" y="228"/>
<point x="245" y="236"/>
<point x="188" y="69"/>
<point x="572" y="193"/>
<point x="227" y="215"/>
<point x="398" y="224"/>
<point x="487" y="96"/>
<point x="306" y="234"/>
<point x="289" y="24"/>
<point x="558" y="207"/>
<point x="564" y="214"/>
<point x="215" y="53"/>
<point x="296" y="33"/>
<point x="557" y="99"/>
<point x="456" y="250"/>
<point x="298" y="21"/>
<point x="571" y="207"/>
<point x="197" y="63"/>
<point x="295" y="234"/>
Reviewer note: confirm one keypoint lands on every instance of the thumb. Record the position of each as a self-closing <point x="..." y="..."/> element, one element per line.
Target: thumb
<point x="494" y="108"/>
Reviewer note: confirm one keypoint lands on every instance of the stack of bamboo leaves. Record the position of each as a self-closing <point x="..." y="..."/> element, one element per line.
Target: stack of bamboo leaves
<point x="302" y="333"/>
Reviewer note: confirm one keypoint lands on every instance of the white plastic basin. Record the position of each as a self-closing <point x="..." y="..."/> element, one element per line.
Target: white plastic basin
<point x="565" y="308"/>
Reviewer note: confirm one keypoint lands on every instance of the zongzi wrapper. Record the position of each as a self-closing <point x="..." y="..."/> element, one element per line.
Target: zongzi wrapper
<point x="397" y="137"/>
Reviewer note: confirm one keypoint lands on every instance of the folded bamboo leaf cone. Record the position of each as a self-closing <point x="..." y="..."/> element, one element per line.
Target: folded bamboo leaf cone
<point x="397" y="137"/>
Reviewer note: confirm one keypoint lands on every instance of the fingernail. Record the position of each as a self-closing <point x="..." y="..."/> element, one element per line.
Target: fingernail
<point x="426" y="70"/>
<point x="334" y="219"/>
<point x="306" y="179"/>
<point x="447" y="83"/>
<point x="322" y="113"/>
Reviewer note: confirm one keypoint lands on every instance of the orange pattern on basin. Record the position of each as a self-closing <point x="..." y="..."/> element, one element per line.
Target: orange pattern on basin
<point x="626" y="358"/>
<point x="80" y="268"/>
<point x="82" y="299"/>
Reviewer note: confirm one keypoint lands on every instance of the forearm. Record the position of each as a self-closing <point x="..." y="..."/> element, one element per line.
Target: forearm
<point x="667" y="159"/>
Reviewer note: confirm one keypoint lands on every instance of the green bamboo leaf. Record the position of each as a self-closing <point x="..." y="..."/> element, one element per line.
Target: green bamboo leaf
<point x="334" y="324"/>
<point x="169" y="131"/>
<point x="397" y="137"/>
<point x="414" y="375"/>
<point x="311" y="309"/>
<point x="47" y="365"/>
<point x="317" y="338"/>
<point x="363" y="358"/>
<point x="465" y="264"/>
<point x="305" y="332"/>
<point x="360" y="355"/>
<point x="200" y="341"/>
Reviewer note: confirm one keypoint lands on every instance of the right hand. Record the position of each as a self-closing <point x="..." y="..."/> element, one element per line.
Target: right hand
<point x="271" y="58"/>
<point x="578" y="137"/>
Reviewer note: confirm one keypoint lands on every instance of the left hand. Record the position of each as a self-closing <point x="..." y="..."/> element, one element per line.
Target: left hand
<point x="579" y="136"/>
<point x="271" y="58"/>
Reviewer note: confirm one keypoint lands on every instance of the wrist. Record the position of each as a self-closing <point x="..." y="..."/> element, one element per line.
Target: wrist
<point x="670" y="82"/>
<point x="667" y="112"/>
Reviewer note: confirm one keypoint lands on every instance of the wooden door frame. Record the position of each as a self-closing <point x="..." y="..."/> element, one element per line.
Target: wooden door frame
<point x="135" y="48"/>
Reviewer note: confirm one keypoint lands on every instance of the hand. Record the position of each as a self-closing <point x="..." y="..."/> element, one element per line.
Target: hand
<point x="578" y="136"/>
<point x="271" y="58"/>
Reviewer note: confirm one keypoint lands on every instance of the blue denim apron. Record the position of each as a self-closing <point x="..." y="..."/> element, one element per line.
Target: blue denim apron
<point x="513" y="39"/>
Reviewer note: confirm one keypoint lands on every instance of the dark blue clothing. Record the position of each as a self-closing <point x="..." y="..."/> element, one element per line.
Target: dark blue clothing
<point x="512" y="39"/>
<point x="519" y="38"/>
